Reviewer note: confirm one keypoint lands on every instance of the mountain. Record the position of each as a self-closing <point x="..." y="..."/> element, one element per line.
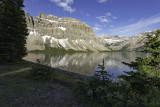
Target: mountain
<point x="122" y="43"/>
<point x="108" y="40"/>
<point x="47" y="31"/>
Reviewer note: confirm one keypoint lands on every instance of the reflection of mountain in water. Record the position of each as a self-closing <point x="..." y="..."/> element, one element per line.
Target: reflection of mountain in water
<point x="86" y="63"/>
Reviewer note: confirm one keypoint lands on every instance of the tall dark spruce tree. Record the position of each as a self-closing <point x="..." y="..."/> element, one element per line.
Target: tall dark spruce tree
<point x="147" y="73"/>
<point x="13" y="30"/>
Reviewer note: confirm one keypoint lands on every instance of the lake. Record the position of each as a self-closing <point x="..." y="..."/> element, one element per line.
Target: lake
<point x="86" y="63"/>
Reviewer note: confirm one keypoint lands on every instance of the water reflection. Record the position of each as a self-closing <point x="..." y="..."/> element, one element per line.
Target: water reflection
<point x="86" y="63"/>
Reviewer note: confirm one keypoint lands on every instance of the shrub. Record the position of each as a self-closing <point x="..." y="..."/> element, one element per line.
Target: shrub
<point x="97" y="88"/>
<point x="104" y="92"/>
<point x="137" y="89"/>
<point x="147" y="73"/>
<point x="41" y="72"/>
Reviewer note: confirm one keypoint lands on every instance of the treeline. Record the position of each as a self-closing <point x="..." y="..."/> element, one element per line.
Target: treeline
<point x="13" y="30"/>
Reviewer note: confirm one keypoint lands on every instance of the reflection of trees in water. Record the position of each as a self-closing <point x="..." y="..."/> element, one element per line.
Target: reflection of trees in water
<point x="85" y="63"/>
<point x="124" y="56"/>
<point x="113" y="61"/>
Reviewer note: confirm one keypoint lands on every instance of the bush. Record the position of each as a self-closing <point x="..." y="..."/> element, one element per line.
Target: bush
<point x="100" y="91"/>
<point x="41" y="72"/>
<point x="97" y="88"/>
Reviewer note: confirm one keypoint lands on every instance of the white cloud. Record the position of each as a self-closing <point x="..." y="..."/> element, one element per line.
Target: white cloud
<point x="106" y="18"/>
<point x="97" y="27"/>
<point x="103" y="19"/>
<point x="138" y="27"/>
<point x="102" y="1"/>
<point x="65" y="4"/>
<point x="108" y="14"/>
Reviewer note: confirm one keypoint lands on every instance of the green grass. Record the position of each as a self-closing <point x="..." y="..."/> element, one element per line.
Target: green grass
<point x="14" y="72"/>
<point x="25" y="67"/>
<point x="18" y="89"/>
<point x="58" y="51"/>
<point x="62" y="76"/>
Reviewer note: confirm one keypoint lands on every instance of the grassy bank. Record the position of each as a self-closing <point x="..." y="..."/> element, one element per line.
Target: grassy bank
<point x="59" y="51"/>
<point x="18" y="89"/>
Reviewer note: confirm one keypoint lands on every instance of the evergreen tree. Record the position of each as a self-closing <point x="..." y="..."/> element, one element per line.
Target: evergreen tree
<point x="13" y="30"/>
<point x="148" y="68"/>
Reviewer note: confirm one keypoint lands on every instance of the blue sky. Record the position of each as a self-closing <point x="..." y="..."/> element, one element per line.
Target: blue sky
<point x="109" y="17"/>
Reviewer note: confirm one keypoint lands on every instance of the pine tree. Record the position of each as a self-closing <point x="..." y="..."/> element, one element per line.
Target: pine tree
<point x="152" y="46"/>
<point x="13" y="30"/>
<point x="4" y="44"/>
<point x="147" y="69"/>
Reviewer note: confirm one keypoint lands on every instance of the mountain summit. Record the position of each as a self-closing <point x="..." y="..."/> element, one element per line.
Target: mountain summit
<point x="65" y="33"/>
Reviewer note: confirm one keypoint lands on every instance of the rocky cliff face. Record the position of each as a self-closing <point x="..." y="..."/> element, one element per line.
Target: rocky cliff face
<point x="66" y="33"/>
<point x="122" y="43"/>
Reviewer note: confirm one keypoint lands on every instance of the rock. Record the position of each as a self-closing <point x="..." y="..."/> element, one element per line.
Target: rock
<point x="66" y="33"/>
<point x="122" y="43"/>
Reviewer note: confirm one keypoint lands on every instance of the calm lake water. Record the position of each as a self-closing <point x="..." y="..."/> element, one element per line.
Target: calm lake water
<point x="86" y="63"/>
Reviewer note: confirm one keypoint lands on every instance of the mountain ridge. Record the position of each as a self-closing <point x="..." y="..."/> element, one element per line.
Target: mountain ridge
<point x="48" y="31"/>
<point x="123" y="43"/>
<point x="65" y="33"/>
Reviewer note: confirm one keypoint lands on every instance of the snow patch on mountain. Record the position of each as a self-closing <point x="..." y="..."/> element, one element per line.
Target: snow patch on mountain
<point x="33" y="33"/>
<point x="110" y="41"/>
<point x="45" y="37"/>
<point x="63" y="42"/>
<point x="52" y="21"/>
<point x="62" y="28"/>
<point x="67" y="33"/>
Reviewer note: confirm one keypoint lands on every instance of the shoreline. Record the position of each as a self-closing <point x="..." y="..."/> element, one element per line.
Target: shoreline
<point x="76" y="75"/>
